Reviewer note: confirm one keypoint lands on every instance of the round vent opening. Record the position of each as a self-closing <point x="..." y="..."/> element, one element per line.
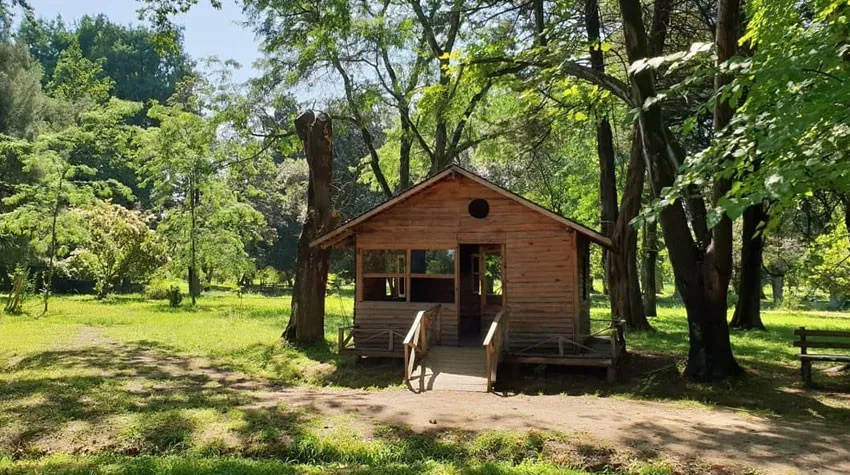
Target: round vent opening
<point x="479" y="208"/>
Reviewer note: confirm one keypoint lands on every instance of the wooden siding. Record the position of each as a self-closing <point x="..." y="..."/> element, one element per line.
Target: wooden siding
<point x="541" y="286"/>
<point x="399" y="316"/>
<point x="540" y="258"/>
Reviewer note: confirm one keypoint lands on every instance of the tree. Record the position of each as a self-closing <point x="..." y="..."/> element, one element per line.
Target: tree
<point x="307" y="319"/>
<point x="828" y="264"/>
<point x="38" y="208"/>
<point x="176" y="161"/>
<point x="701" y="255"/>
<point x="77" y="79"/>
<point x="22" y="101"/>
<point x="58" y="173"/>
<point x="118" y="246"/>
<point x="186" y="164"/>
<point x="747" y="314"/>
<point x="142" y="66"/>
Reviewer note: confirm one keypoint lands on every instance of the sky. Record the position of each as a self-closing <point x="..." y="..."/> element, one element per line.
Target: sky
<point x="207" y="31"/>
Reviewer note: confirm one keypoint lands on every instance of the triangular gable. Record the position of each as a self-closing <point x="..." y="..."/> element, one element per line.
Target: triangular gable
<point x="342" y="231"/>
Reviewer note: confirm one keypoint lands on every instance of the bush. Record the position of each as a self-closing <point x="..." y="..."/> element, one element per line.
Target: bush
<point x="174" y="296"/>
<point x="158" y="289"/>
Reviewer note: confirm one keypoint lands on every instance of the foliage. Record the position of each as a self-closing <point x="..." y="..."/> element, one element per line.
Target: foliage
<point x="131" y="56"/>
<point x="174" y="296"/>
<point x="22" y="101"/>
<point x="790" y="135"/>
<point x="76" y="78"/>
<point x="205" y="222"/>
<point x="119" y="245"/>
<point x="828" y="262"/>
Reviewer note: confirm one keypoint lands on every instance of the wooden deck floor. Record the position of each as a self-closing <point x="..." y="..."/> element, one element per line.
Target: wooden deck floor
<point x="451" y="368"/>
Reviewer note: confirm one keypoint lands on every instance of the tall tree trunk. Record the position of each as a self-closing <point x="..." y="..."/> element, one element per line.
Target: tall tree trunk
<point x="625" y="286"/>
<point x="777" y="285"/>
<point x="622" y="277"/>
<point x="748" y="308"/>
<point x="57" y="204"/>
<point x="703" y="265"/>
<point x="307" y="320"/>
<point x="405" y="146"/>
<point x="650" y="267"/>
<point x="194" y="278"/>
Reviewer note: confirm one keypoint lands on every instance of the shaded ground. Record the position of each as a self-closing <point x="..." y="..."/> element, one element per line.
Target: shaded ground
<point x="105" y="396"/>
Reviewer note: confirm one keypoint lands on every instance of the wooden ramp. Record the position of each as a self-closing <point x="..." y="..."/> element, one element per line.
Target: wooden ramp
<point x="451" y="368"/>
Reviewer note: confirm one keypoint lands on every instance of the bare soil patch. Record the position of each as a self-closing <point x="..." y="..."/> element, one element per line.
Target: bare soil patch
<point x="686" y="435"/>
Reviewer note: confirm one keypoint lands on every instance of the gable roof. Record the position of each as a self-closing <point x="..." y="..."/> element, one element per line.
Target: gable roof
<point x="342" y="230"/>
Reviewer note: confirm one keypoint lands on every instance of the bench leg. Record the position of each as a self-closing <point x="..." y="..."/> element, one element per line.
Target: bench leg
<point x="806" y="371"/>
<point x="612" y="375"/>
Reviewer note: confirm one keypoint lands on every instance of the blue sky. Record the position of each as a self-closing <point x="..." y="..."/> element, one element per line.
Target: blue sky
<point x="207" y="31"/>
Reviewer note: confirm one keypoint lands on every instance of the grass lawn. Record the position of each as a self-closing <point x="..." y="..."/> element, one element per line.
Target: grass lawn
<point x="81" y="381"/>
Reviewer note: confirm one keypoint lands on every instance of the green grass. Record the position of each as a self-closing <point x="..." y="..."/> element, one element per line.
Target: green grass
<point x="90" y="382"/>
<point x="242" y="333"/>
<point x="229" y="465"/>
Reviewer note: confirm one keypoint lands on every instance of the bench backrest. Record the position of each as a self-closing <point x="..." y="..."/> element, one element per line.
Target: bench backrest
<point x="832" y="339"/>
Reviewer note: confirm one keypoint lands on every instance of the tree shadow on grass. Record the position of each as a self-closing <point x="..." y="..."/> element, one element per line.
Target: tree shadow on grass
<point x="767" y="389"/>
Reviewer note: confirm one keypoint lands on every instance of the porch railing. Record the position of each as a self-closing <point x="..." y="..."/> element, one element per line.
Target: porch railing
<point x="574" y="345"/>
<point x="375" y="339"/>
<point x="495" y="343"/>
<point x="424" y="331"/>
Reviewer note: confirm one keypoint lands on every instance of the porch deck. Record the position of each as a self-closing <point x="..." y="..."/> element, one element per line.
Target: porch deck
<point x="435" y="366"/>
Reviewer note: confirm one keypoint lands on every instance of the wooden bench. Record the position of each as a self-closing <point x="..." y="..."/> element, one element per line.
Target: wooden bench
<point x="829" y="339"/>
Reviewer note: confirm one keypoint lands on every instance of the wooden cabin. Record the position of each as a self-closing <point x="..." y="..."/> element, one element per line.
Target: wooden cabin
<point x="460" y="271"/>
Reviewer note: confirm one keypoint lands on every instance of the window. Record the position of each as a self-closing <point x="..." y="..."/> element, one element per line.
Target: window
<point x="384" y="275"/>
<point x="479" y="208"/>
<point x="432" y="275"/>
<point x="430" y="278"/>
<point x="493" y="273"/>
<point x="433" y="262"/>
<point x="384" y="289"/>
<point x="383" y="262"/>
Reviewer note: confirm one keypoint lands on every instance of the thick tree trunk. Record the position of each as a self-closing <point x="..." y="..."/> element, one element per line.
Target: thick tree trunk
<point x="650" y="265"/>
<point x="625" y="284"/>
<point x="748" y="308"/>
<point x="307" y="320"/>
<point x="777" y="287"/>
<point x="703" y="265"/>
<point x="622" y="275"/>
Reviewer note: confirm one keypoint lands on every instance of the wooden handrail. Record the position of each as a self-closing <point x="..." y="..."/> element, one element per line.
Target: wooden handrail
<point x="421" y="332"/>
<point x="615" y="331"/>
<point x="495" y="343"/>
<point x="372" y="335"/>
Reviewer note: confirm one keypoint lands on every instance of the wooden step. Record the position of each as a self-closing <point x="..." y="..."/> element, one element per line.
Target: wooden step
<point x="452" y="368"/>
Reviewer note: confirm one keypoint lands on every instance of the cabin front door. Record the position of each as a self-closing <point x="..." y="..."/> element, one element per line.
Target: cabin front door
<point x="481" y="270"/>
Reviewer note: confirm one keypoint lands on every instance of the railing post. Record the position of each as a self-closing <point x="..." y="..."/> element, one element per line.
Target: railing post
<point x="341" y="337"/>
<point x="406" y="364"/>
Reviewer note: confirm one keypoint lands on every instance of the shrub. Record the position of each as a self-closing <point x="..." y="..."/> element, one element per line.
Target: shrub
<point x="174" y="296"/>
<point x="158" y="289"/>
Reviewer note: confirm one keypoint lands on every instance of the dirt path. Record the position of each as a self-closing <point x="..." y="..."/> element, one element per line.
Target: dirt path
<point x="772" y="445"/>
<point x="716" y="435"/>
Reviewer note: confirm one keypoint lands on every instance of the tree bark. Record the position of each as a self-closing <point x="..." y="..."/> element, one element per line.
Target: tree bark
<point x="650" y="267"/>
<point x="48" y="278"/>
<point x="623" y="269"/>
<point x="307" y="320"/>
<point x="622" y="276"/>
<point x="702" y="265"/>
<point x="748" y="308"/>
<point x="777" y="286"/>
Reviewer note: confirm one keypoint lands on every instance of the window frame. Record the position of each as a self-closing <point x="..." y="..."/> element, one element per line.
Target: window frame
<point x="407" y="276"/>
